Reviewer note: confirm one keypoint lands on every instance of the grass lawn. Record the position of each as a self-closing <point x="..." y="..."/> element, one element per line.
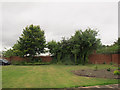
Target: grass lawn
<point x="50" y="76"/>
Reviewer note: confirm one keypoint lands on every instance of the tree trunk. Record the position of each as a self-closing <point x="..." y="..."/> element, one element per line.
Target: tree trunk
<point x="59" y="57"/>
<point x="84" y="59"/>
<point x="75" y="58"/>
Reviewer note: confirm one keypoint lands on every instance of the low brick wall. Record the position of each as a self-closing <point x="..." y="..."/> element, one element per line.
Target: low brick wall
<point x="93" y="58"/>
<point x="46" y="58"/>
<point x="17" y="58"/>
<point x="104" y="58"/>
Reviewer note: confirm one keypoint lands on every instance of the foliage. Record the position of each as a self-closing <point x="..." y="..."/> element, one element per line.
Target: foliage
<point x="18" y="62"/>
<point x="8" y="53"/>
<point x="96" y="67"/>
<point x="78" y="46"/>
<point x="111" y="63"/>
<point x="104" y="62"/>
<point x="31" y="43"/>
<point x="118" y="68"/>
<point x="52" y="46"/>
<point x="39" y="62"/>
<point x="84" y="42"/>
<point x="54" y="49"/>
<point x="116" y="72"/>
<point x="67" y="61"/>
<point x="108" y="69"/>
<point x="112" y="49"/>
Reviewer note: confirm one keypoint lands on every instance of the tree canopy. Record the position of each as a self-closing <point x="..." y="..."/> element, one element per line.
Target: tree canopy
<point x="110" y="49"/>
<point x="79" y="46"/>
<point x="75" y="49"/>
<point x="31" y="42"/>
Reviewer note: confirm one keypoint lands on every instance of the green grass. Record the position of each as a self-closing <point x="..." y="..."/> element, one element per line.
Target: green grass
<point x="50" y="76"/>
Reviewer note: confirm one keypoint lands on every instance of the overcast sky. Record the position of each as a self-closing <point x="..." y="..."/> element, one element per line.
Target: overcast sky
<point x="59" y="19"/>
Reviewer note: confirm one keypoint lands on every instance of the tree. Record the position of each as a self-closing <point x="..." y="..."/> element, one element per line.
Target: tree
<point x="65" y="48"/>
<point x="110" y="49"/>
<point x="84" y="43"/>
<point x="55" y="49"/>
<point x="8" y="53"/>
<point x="52" y="45"/>
<point x="17" y="50"/>
<point x="90" y="42"/>
<point x="80" y="46"/>
<point x="76" y="45"/>
<point x="31" y="42"/>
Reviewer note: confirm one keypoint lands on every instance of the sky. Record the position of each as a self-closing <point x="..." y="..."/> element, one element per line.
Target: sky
<point x="58" y="19"/>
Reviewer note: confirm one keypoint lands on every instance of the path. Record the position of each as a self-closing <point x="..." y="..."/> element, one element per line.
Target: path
<point x="103" y="86"/>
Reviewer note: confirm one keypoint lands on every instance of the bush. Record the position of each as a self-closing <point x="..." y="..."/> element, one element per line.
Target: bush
<point x="108" y="69"/>
<point x="118" y="68"/>
<point x="116" y="72"/>
<point x="96" y="68"/>
<point x="104" y="63"/>
<point x="68" y="62"/>
<point x="111" y="63"/>
<point x="54" y="60"/>
<point x="13" y="62"/>
<point x="35" y="62"/>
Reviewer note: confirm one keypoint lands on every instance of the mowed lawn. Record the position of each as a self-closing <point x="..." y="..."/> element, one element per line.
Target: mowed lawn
<point x="50" y="76"/>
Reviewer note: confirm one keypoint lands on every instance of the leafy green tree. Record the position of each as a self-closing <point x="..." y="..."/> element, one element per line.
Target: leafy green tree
<point x="65" y="48"/>
<point x="85" y="42"/>
<point x="17" y="50"/>
<point x="76" y="45"/>
<point x="75" y="52"/>
<point x="116" y="45"/>
<point x="52" y="46"/>
<point x="8" y="53"/>
<point x="80" y="46"/>
<point x="31" y="42"/>
<point x="110" y="49"/>
<point x="55" y="49"/>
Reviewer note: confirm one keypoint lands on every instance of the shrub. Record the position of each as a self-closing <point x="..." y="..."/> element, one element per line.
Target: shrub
<point x="108" y="69"/>
<point x="116" y="72"/>
<point x="68" y="62"/>
<point x="118" y="68"/>
<point x="13" y="62"/>
<point x="96" y="68"/>
<point x="59" y="62"/>
<point x="104" y="63"/>
<point x="54" y="60"/>
<point x="111" y="63"/>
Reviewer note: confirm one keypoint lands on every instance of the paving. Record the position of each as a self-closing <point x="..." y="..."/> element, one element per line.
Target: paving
<point x="99" y="87"/>
<point x="104" y="86"/>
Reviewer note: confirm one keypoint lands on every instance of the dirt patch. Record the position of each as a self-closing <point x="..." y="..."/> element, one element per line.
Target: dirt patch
<point x="97" y="73"/>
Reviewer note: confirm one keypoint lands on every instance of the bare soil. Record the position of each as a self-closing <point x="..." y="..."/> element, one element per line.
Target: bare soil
<point x="96" y="73"/>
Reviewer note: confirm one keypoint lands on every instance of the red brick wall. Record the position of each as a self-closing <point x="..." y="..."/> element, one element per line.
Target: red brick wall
<point x="101" y="58"/>
<point x="93" y="58"/>
<point x="17" y="58"/>
<point x="46" y="58"/>
<point x="115" y="58"/>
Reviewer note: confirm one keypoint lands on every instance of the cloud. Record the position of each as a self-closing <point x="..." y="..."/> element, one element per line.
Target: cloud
<point x="59" y="19"/>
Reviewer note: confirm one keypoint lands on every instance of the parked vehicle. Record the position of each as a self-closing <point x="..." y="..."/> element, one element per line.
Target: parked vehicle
<point x="4" y="62"/>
